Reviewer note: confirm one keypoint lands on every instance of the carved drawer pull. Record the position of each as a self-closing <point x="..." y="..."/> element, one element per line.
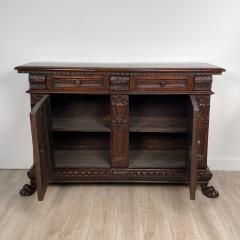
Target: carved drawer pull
<point x="162" y="84"/>
<point x="78" y="82"/>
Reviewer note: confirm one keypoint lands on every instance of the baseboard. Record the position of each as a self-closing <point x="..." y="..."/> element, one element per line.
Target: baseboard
<point x="17" y="162"/>
<point x="23" y="162"/>
<point x="231" y="164"/>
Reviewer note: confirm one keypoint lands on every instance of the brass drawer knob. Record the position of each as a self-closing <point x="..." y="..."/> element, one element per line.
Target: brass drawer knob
<point x="162" y="84"/>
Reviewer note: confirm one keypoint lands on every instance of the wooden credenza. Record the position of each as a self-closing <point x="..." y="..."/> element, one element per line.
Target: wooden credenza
<point x="119" y="123"/>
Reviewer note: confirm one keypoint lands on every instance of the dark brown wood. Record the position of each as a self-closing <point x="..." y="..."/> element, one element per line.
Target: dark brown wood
<point x="128" y="175"/>
<point x="41" y="128"/>
<point x="78" y="83"/>
<point x="84" y="158"/>
<point x="120" y="123"/>
<point x="209" y="191"/>
<point x="157" y="159"/>
<point x="203" y="101"/>
<point x="81" y="140"/>
<point x="119" y="136"/>
<point x="81" y="113"/>
<point x="81" y="125"/>
<point x="194" y="118"/>
<point x="161" y="83"/>
<point x="29" y="189"/>
<point x="128" y="67"/>
<point x="158" y="114"/>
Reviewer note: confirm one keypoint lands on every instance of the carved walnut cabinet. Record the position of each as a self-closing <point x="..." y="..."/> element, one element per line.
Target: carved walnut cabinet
<point x="119" y="123"/>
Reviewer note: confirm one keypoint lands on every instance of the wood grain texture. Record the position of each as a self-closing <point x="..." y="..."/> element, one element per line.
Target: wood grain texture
<point x="119" y="212"/>
<point x="42" y="148"/>
<point x="111" y="67"/>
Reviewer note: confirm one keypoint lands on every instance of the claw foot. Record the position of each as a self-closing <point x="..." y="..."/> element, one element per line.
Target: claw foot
<point x="28" y="190"/>
<point x="209" y="191"/>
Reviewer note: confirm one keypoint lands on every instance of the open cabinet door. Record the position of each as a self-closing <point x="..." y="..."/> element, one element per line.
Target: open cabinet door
<point x="193" y="141"/>
<point x="41" y="129"/>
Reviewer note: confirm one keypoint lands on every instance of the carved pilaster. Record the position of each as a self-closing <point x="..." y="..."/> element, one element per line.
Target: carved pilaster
<point x="119" y="83"/>
<point x="37" y="81"/>
<point x="204" y="108"/>
<point x="119" y="132"/>
<point x="203" y="83"/>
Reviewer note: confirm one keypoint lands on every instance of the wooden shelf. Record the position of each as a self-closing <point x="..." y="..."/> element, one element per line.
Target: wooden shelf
<point x="81" y="125"/>
<point x="159" y="124"/>
<point x="157" y="159"/>
<point x="82" y="158"/>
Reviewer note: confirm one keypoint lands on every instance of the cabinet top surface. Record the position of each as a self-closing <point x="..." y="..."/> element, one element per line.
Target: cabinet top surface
<point x="123" y="67"/>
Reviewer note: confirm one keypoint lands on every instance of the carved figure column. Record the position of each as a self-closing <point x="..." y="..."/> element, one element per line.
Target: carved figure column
<point x="119" y="120"/>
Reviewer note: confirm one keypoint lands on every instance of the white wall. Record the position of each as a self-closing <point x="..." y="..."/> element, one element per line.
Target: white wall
<point x="120" y="31"/>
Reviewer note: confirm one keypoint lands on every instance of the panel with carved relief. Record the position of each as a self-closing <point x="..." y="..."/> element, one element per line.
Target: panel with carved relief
<point x="119" y="119"/>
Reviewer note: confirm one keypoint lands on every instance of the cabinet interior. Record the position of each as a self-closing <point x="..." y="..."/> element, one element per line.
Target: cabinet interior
<point x="158" y="127"/>
<point x="81" y="130"/>
<point x="83" y="113"/>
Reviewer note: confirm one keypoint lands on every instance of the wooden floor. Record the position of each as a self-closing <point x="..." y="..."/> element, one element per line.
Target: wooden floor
<point x="114" y="212"/>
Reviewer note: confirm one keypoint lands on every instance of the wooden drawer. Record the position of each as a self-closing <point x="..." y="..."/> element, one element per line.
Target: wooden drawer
<point x="78" y="83"/>
<point x="161" y="84"/>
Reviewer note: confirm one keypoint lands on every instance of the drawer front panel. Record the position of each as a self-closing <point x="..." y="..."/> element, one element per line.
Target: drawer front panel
<point x="81" y="83"/>
<point x="161" y="84"/>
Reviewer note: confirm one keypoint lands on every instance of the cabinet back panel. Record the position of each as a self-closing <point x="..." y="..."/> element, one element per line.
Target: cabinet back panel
<point x="158" y="141"/>
<point x="82" y="141"/>
<point x="80" y="106"/>
<point x="158" y="106"/>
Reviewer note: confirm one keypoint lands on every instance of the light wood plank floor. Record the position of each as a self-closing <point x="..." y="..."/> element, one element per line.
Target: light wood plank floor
<point x="119" y="212"/>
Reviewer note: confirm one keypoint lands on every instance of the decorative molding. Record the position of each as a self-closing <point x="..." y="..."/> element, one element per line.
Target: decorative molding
<point x="203" y="83"/>
<point x="171" y="175"/>
<point x="114" y="73"/>
<point x="119" y="83"/>
<point x="37" y="81"/>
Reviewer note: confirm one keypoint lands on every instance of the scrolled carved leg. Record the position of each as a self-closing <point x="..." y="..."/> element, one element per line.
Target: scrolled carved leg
<point x="29" y="189"/>
<point x="209" y="191"/>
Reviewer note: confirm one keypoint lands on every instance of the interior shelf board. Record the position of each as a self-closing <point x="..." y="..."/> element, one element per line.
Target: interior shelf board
<point x="82" y="158"/>
<point x="83" y="125"/>
<point x="157" y="158"/>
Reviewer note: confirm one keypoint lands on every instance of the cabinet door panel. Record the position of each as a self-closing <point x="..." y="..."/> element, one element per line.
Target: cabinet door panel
<point x="193" y="141"/>
<point x="41" y="129"/>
